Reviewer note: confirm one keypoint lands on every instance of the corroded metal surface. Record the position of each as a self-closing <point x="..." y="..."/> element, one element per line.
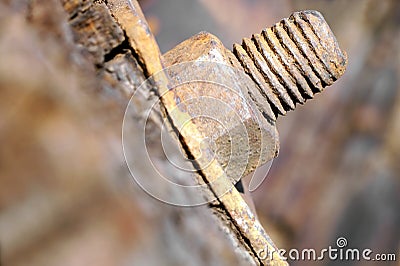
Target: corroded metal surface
<point x="129" y="16"/>
<point x="93" y="27"/>
<point x="292" y="60"/>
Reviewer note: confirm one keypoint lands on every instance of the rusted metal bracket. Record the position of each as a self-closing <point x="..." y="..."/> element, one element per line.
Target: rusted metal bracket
<point x="284" y="65"/>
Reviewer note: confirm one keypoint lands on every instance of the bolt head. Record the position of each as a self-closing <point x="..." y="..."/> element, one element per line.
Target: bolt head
<point x="216" y="94"/>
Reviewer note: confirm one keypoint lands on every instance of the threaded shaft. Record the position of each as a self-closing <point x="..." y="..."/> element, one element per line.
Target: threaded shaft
<point x="292" y="60"/>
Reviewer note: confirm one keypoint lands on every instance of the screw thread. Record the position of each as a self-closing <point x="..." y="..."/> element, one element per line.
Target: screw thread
<point x="292" y="60"/>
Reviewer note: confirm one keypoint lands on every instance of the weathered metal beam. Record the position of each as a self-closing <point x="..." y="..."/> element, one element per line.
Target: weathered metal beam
<point x="283" y="66"/>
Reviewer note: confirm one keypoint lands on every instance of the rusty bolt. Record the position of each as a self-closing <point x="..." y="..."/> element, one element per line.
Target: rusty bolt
<point x="267" y="76"/>
<point x="292" y="60"/>
<point x="286" y="64"/>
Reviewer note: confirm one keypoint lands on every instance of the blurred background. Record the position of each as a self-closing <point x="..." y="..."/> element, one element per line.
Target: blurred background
<point x="338" y="172"/>
<point x="66" y="196"/>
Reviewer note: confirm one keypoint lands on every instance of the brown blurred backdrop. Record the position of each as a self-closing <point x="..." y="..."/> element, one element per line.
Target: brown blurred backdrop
<point x="66" y="196"/>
